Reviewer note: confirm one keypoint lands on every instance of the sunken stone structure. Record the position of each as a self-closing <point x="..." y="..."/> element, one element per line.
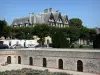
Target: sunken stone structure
<point x="69" y="59"/>
<point x="48" y="17"/>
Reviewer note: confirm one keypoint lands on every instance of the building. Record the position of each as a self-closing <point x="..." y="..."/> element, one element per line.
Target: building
<point x="82" y="60"/>
<point x="97" y="30"/>
<point x="48" y="17"/>
<point x="25" y="43"/>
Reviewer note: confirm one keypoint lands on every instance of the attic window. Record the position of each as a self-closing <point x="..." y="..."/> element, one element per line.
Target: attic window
<point x="66" y="21"/>
<point x="59" y="19"/>
<point x="51" y="17"/>
<point x="28" y="20"/>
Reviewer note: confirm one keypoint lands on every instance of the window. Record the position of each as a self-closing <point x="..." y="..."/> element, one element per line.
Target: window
<point x="44" y="62"/>
<point x="9" y="59"/>
<point x="59" y="19"/>
<point x="80" y="66"/>
<point x="60" y="64"/>
<point x="9" y="43"/>
<point x="30" y="61"/>
<point x="19" y="60"/>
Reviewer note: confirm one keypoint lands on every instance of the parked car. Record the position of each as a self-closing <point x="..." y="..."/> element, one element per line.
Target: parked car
<point x="39" y="46"/>
<point x="30" y="45"/>
<point x="16" y="46"/>
<point x="4" y="46"/>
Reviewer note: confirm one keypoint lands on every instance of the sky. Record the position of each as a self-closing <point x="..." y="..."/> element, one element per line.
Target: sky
<point x="87" y="10"/>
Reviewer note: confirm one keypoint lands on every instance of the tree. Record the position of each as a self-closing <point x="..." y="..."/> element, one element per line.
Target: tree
<point x="22" y="32"/>
<point x="7" y="31"/>
<point x="75" y="22"/>
<point x="87" y="34"/>
<point x="92" y="34"/>
<point x="59" y="39"/>
<point x="3" y="24"/>
<point x="41" y="31"/>
<point x="84" y="33"/>
<point x="96" y="42"/>
<point x="28" y="32"/>
<point x="73" y="34"/>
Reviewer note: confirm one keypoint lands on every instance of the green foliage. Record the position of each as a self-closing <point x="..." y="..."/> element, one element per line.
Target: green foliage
<point x="3" y="24"/>
<point x="81" y="46"/>
<point x="59" y="39"/>
<point x="96" y="43"/>
<point x="73" y="34"/>
<point x="29" y="71"/>
<point x="84" y="33"/>
<point x="59" y="35"/>
<point x="75" y="22"/>
<point x="78" y="31"/>
<point x="22" y="32"/>
<point x="7" y="31"/>
<point x="92" y="34"/>
<point x="72" y="46"/>
<point x="41" y="31"/>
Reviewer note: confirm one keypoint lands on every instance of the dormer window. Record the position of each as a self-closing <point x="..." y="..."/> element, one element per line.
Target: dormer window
<point x="66" y="22"/>
<point x="28" y="20"/>
<point x="51" y="19"/>
<point x="59" y="20"/>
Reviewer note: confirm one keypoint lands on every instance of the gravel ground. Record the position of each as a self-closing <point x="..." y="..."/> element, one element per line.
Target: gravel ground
<point x="17" y="66"/>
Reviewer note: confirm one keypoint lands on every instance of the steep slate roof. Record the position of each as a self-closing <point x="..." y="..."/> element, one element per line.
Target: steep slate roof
<point x="56" y="15"/>
<point x="21" y="20"/>
<point x="13" y="23"/>
<point x="64" y="18"/>
<point x="41" y="18"/>
<point x="46" y="17"/>
<point x="24" y="20"/>
<point x="38" y="19"/>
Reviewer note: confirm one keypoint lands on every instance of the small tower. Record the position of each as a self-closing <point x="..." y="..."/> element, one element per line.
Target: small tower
<point x="30" y="16"/>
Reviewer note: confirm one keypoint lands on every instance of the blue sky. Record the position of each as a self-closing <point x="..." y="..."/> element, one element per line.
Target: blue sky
<point x="87" y="10"/>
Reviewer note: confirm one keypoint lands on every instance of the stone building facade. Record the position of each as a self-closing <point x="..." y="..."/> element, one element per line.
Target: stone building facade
<point x="68" y="59"/>
<point x="48" y="17"/>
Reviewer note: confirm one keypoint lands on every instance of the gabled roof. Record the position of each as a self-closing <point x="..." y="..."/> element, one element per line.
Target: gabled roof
<point x="41" y="18"/>
<point x="24" y="20"/>
<point x="21" y="20"/>
<point x="56" y="15"/>
<point x="64" y="18"/>
<point x="16" y="21"/>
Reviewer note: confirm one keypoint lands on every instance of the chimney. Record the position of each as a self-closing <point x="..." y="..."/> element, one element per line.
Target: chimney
<point x="46" y="11"/>
<point x="50" y="10"/>
<point x="30" y="16"/>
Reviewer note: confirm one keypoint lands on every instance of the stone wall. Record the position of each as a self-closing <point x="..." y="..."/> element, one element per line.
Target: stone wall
<point x="89" y="58"/>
